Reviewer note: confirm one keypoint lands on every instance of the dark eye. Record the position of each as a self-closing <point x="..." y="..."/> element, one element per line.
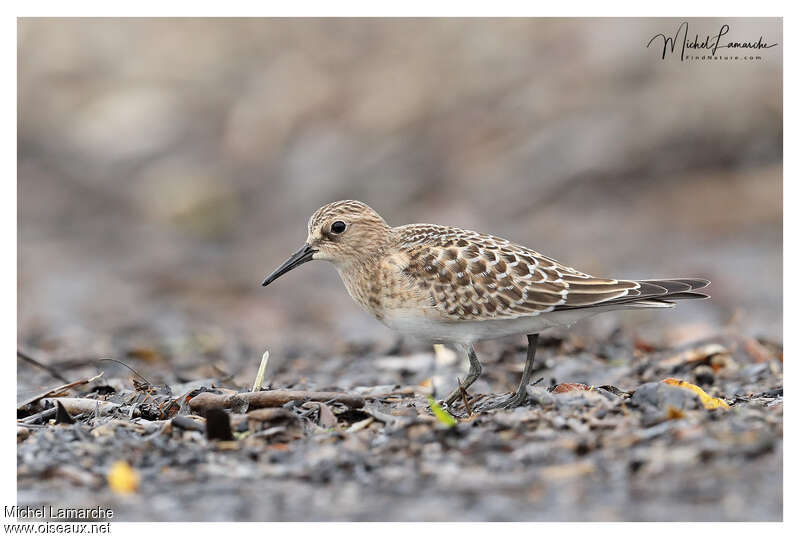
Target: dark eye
<point x="338" y="227"/>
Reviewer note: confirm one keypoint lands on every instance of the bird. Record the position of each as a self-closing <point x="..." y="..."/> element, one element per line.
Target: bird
<point x="448" y="285"/>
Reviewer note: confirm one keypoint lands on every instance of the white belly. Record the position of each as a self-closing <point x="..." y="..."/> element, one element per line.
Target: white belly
<point x="468" y="332"/>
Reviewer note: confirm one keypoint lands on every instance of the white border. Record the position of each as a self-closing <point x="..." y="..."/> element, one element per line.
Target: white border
<point x="407" y="8"/>
<point x="199" y="8"/>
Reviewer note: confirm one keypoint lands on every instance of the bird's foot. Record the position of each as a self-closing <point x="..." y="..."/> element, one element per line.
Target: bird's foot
<point x="518" y="398"/>
<point x="452" y="397"/>
<point x="497" y="403"/>
<point x="459" y="394"/>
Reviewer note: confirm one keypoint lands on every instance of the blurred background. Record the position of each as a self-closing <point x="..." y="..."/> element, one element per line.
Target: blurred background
<point x="167" y="166"/>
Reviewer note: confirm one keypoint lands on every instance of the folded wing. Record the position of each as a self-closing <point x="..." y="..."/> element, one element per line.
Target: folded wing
<point x="473" y="276"/>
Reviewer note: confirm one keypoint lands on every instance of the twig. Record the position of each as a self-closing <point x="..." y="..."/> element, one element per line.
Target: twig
<point x="270" y="399"/>
<point x="127" y="367"/>
<point x="75" y="406"/>
<point x="400" y="391"/>
<point x="223" y="375"/>
<point x="464" y="396"/>
<point x="54" y="373"/>
<point x="383" y="417"/>
<point x="57" y="390"/>
<point x="41" y="417"/>
<point x="262" y="369"/>
<point x="267" y="415"/>
<point x="361" y="425"/>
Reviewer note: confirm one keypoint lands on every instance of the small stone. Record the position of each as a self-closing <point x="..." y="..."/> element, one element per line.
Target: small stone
<point x="662" y="396"/>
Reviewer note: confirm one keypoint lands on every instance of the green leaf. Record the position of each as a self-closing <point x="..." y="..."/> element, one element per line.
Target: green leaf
<point x="441" y="414"/>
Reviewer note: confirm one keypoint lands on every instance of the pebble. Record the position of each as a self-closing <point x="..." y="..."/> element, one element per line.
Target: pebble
<point x="662" y="396"/>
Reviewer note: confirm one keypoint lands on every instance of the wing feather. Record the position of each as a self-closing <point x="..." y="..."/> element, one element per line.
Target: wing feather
<point x="473" y="276"/>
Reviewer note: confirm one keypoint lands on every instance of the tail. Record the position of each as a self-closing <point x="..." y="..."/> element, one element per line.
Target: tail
<point x="650" y="293"/>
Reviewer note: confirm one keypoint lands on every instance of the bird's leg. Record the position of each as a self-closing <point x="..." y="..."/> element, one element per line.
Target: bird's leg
<point x="474" y="373"/>
<point x="521" y="394"/>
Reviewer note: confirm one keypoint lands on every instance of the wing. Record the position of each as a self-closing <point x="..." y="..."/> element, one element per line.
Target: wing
<point x="473" y="276"/>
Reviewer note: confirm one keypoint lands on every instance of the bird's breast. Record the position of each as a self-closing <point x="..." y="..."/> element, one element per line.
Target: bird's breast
<point x="382" y="289"/>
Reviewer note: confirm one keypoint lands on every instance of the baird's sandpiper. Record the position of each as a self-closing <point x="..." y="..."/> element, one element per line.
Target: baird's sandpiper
<point x="443" y="284"/>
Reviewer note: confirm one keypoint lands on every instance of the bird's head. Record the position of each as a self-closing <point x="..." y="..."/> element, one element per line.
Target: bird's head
<point x="345" y="233"/>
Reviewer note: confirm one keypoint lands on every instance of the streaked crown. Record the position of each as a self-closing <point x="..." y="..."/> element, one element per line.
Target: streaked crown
<point x="346" y="231"/>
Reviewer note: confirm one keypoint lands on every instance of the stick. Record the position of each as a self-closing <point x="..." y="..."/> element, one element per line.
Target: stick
<point x="54" y="373"/>
<point x="77" y="406"/>
<point x="127" y="367"/>
<point x="58" y="390"/>
<point x="262" y="369"/>
<point x="266" y="415"/>
<point x="464" y="396"/>
<point x="271" y="399"/>
<point x="41" y="417"/>
<point x="400" y="391"/>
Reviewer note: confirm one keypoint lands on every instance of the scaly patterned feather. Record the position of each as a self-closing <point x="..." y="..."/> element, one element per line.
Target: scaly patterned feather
<point x="473" y="276"/>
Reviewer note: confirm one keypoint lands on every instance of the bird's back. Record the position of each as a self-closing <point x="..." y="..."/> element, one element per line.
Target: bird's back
<point x="469" y="276"/>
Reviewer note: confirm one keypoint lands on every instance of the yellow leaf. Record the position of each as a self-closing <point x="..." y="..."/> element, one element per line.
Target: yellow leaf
<point x="708" y="401"/>
<point x="441" y="414"/>
<point x="123" y="479"/>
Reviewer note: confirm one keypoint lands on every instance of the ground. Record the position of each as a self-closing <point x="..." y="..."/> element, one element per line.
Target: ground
<point x="600" y="438"/>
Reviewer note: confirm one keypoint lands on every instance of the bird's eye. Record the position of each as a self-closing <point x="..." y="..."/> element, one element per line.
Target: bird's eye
<point x="338" y="227"/>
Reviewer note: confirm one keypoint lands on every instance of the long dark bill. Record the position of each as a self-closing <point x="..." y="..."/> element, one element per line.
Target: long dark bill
<point x="300" y="257"/>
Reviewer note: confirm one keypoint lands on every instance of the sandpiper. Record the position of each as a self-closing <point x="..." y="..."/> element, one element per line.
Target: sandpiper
<point x="452" y="286"/>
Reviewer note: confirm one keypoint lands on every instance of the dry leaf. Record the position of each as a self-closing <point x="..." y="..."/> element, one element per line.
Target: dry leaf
<point x="326" y="418"/>
<point x="567" y="387"/>
<point x="708" y="401"/>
